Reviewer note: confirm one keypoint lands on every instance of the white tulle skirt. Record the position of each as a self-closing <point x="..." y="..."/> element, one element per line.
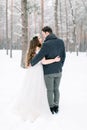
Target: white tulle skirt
<point x="32" y="100"/>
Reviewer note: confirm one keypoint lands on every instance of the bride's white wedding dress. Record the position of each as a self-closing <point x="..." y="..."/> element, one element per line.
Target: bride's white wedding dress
<point x="32" y="101"/>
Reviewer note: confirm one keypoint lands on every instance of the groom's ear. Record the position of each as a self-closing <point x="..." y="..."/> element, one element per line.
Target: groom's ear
<point x="47" y="33"/>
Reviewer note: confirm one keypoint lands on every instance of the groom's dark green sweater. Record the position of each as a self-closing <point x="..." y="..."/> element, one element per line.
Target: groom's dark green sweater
<point x="51" y="48"/>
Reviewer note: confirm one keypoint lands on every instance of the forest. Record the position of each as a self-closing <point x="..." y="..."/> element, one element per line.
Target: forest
<point x="20" y="20"/>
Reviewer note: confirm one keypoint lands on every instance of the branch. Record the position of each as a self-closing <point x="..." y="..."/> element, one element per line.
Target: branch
<point x="84" y="5"/>
<point x="19" y="9"/>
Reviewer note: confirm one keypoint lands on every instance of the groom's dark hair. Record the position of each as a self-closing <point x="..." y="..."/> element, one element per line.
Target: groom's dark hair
<point x="47" y="29"/>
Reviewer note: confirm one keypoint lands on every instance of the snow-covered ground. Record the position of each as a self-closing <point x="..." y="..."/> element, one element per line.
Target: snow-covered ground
<point x="73" y="95"/>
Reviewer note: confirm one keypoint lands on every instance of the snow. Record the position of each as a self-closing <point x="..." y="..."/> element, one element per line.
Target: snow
<point x="73" y="95"/>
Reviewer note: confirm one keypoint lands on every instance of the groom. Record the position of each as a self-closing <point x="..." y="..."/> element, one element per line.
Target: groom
<point x="51" y="48"/>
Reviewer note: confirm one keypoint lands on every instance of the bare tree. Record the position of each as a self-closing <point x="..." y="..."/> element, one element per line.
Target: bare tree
<point x="74" y="24"/>
<point x="56" y="17"/>
<point x="24" y="38"/>
<point x="67" y="39"/>
<point x="42" y="13"/>
<point x="7" y="44"/>
<point x="36" y="11"/>
<point x="11" y="42"/>
<point x="65" y="16"/>
<point x="61" y="18"/>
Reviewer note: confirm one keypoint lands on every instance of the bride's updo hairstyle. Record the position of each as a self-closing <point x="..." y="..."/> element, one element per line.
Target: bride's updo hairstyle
<point x="31" y="50"/>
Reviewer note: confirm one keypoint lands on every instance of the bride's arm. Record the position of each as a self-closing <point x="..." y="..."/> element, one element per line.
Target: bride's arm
<point x="49" y="61"/>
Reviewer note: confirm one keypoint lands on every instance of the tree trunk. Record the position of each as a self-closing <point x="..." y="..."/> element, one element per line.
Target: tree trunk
<point x="67" y="41"/>
<point x="61" y="19"/>
<point x="74" y="25"/>
<point x="11" y="42"/>
<point x="56" y="17"/>
<point x="35" y="17"/>
<point x="42" y="13"/>
<point x="7" y="44"/>
<point x="24" y="16"/>
<point x="81" y="29"/>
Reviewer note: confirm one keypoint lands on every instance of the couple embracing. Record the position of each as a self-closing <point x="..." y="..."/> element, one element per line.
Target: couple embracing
<point x="44" y="62"/>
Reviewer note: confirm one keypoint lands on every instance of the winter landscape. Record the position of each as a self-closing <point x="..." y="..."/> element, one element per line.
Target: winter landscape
<point x="73" y="89"/>
<point x="20" y="20"/>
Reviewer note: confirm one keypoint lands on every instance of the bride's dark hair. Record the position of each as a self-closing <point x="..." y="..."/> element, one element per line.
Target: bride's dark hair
<point x="31" y="50"/>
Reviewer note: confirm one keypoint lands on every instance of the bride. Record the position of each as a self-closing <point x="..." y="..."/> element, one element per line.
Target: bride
<point x="32" y="101"/>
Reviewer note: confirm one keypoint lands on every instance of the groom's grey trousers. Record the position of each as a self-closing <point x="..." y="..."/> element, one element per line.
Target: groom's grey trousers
<point x="52" y="83"/>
